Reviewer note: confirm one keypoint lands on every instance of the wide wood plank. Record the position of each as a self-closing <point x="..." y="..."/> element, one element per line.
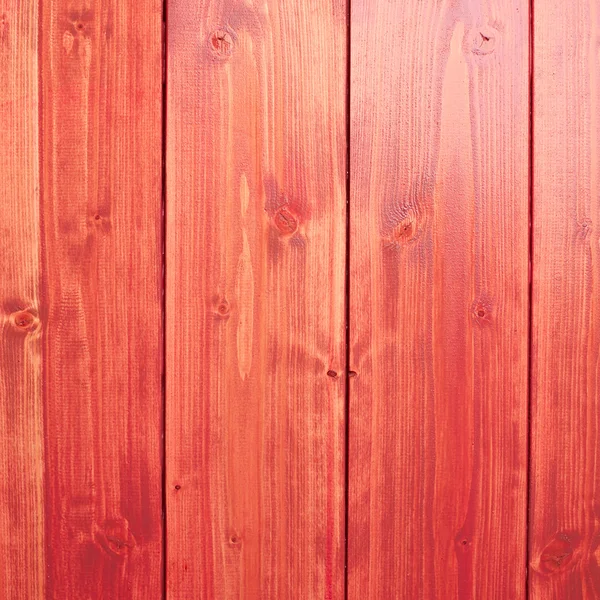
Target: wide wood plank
<point x="565" y="427"/>
<point x="255" y="266"/>
<point x="22" y="573"/>
<point x="101" y="311"/>
<point x="438" y="299"/>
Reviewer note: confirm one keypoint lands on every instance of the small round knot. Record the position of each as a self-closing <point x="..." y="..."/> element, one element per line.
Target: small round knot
<point x="406" y="231"/>
<point x="462" y="542"/>
<point x="483" y="41"/>
<point x="221" y="43"/>
<point x="114" y="536"/>
<point x="585" y="228"/>
<point x="352" y="374"/>
<point x="285" y="221"/>
<point x="235" y="539"/>
<point x="481" y="310"/>
<point x="25" y="320"/>
<point x="557" y="554"/>
<point x="331" y="373"/>
<point x="223" y="309"/>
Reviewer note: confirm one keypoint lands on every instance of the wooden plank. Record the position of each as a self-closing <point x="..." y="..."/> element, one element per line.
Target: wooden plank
<point x="21" y="443"/>
<point x="565" y="428"/>
<point x="255" y="298"/>
<point x="101" y="212"/>
<point x="438" y="299"/>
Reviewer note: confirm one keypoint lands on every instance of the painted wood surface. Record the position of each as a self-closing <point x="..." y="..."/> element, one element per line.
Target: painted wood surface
<point x="255" y="264"/>
<point x="565" y="429"/>
<point x="22" y="573"/>
<point x="100" y="313"/>
<point x="438" y="299"/>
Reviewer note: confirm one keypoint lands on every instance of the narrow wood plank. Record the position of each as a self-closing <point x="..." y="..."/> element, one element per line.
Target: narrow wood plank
<point x="255" y="298"/>
<point x="565" y="476"/>
<point x="101" y="211"/>
<point x="439" y="299"/>
<point x="21" y="443"/>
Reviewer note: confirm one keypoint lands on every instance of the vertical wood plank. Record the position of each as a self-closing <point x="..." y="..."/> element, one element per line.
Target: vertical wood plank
<point x="101" y="212"/>
<point x="438" y="299"/>
<point x="21" y="443"/>
<point x="255" y="298"/>
<point x="565" y="428"/>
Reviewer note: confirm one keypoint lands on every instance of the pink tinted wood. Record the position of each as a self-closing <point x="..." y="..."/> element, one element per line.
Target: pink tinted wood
<point x="439" y="299"/>
<point x="565" y="430"/>
<point x="101" y="297"/>
<point x="255" y="265"/>
<point x="22" y="569"/>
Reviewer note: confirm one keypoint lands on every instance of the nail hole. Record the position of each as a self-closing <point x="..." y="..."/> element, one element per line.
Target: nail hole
<point x="177" y="487"/>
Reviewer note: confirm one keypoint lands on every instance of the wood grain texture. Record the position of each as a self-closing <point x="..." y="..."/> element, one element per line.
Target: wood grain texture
<point x="255" y="298"/>
<point x="565" y="427"/>
<point x="101" y="311"/>
<point x="22" y="572"/>
<point x="438" y="299"/>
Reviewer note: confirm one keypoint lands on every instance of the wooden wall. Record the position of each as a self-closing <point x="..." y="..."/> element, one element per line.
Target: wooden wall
<point x="300" y="300"/>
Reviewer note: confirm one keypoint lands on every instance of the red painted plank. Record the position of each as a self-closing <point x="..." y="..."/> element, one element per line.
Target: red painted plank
<point x="439" y="303"/>
<point x="565" y="488"/>
<point x="101" y="290"/>
<point x="256" y="152"/>
<point x="22" y="572"/>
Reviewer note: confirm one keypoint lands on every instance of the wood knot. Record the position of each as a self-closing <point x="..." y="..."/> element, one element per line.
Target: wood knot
<point x="403" y="224"/>
<point x="482" y="310"/>
<point x="115" y="538"/>
<point x="584" y="228"/>
<point x="462" y="543"/>
<point x="285" y="221"/>
<point x="221" y="43"/>
<point x="100" y="223"/>
<point x="235" y="540"/>
<point x="25" y="320"/>
<point x="223" y="309"/>
<point x="406" y="230"/>
<point x="3" y="28"/>
<point x="332" y="373"/>
<point x="483" y="40"/>
<point x="557" y="554"/>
